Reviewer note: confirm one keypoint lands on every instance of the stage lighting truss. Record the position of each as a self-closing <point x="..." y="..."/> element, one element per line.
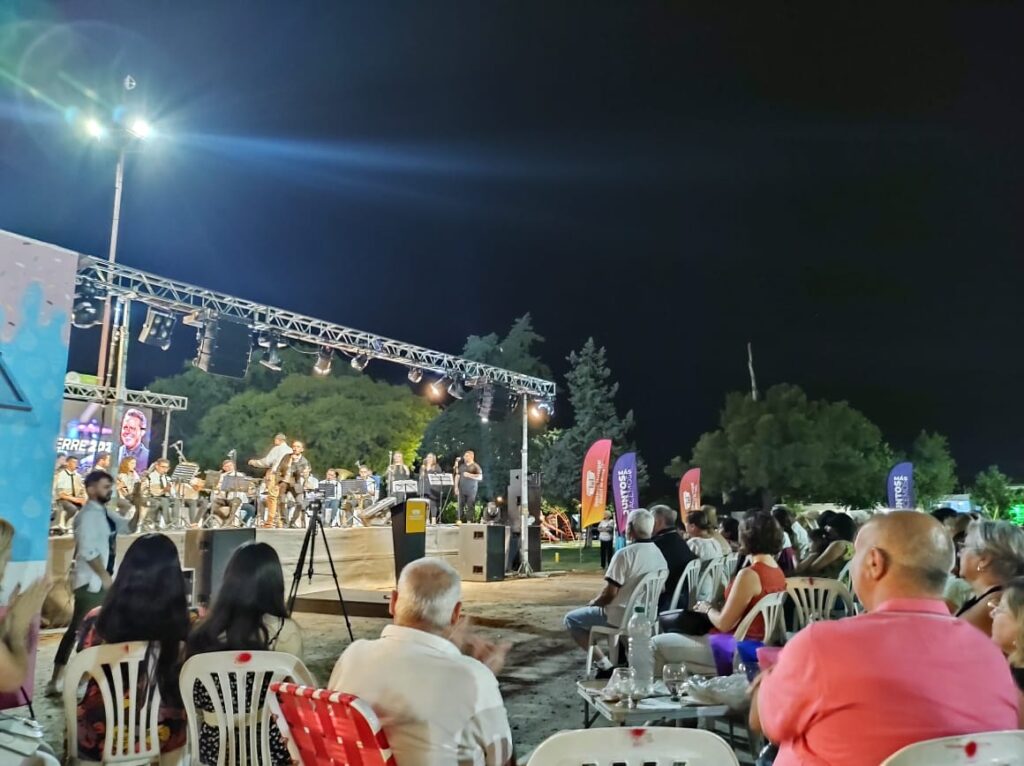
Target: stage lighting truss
<point x="178" y="297"/>
<point x="158" y="329"/>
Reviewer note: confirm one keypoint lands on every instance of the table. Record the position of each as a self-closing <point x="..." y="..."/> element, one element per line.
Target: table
<point x="656" y="708"/>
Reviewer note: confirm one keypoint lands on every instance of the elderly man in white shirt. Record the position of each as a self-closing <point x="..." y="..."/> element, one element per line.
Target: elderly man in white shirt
<point x="437" y="706"/>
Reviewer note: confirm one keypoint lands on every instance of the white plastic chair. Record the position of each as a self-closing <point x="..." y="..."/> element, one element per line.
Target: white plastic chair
<point x="645" y="594"/>
<point x="770" y="607"/>
<point x="243" y="725"/>
<point x="713" y="579"/>
<point x="657" y="746"/>
<point x="815" y="599"/>
<point x="845" y="577"/>
<point x="687" y="584"/>
<point x="131" y="719"/>
<point x="991" y="748"/>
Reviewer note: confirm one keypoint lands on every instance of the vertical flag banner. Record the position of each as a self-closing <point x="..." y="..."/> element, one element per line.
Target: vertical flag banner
<point x="901" y="486"/>
<point x="594" y="496"/>
<point x="689" y="491"/>
<point x="624" y="489"/>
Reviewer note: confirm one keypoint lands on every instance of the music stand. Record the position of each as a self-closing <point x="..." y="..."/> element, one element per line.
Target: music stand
<point x="182" y="475"/>
<point x="309" y="546"/>
<point x="446" y="482"/>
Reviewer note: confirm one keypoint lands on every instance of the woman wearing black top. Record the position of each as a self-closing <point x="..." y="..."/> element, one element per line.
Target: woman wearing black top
<point x="992" y="555"/>
<point x="1008" y="627"/>
<point x="433" y="494"/>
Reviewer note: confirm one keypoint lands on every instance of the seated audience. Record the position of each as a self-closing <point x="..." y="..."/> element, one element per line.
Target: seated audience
<point x="854" y="691"/>
<point x="944" y="515"/>
<point x="993" y="554"/>
<point x="248" y="613"/>
<point x="840" y="531"/>
<point x="1008" y="627"/>
<point x="629" y="566"/>
<point x="760" y="539"/>
<point x="729" y="531"/>
<point x="677" y="555"/>
<point x="16" y="624"/>
<point x="699" y="539"/>
<point x="146" y="602"/>
<point x="712" y="514"/>
<point x="799" y="539"/>
<point x="436" y="705"/>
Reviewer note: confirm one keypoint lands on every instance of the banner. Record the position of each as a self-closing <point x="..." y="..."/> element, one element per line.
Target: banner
<point x="594" y="496"/>
<point x="89" y="429"/>
<point x="901" y="486"/>
<point x="624" y="489"/>
<point x="689" y="491"/>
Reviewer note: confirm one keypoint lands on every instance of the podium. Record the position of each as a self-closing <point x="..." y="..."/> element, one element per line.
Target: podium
<point x="409" y="532"/>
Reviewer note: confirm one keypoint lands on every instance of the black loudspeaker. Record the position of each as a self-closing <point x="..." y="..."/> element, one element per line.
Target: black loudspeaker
<point x="534" y="543"/>
<point x="225" y="345"/>
<point x="207" y="552"/>
<point x="515" y="493"/>
<point x="482" y="552"/>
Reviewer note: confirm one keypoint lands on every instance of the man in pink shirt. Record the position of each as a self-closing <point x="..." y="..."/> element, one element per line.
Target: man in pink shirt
<point x="852" y="692"/>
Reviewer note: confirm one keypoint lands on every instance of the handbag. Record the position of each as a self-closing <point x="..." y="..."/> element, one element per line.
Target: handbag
<point x="684" y="621"/>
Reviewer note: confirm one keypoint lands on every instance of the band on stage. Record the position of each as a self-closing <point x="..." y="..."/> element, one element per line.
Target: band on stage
<point x="280" y="490"/>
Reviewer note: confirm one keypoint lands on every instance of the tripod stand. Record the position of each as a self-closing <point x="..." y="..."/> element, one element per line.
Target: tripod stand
<point x="308" y="548"/>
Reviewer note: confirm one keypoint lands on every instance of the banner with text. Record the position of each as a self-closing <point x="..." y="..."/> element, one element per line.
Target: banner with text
<point x="901" y="486"/>
<point x="594" y="496"/>
<point x="689" y="491"/>
<point x="624" y="489"/>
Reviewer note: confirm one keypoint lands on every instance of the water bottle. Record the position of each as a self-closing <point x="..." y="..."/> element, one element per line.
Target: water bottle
<point x="641" y="651"/>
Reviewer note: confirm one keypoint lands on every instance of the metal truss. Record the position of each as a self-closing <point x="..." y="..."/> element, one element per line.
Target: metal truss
<point x="180" y="297"/>
<point x="86" y="392"/>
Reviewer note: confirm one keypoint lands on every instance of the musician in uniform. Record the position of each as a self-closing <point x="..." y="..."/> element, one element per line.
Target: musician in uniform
<point x="225" y="505"/>
<point x="332" y="504"/>
<point x="293" y="480"/>
<point x="68" y="494"/>
<point x="431" y="492"/>
<point x="360" y="501"/>
<point x="271" y="462"/>
<point x="467" y="480"/>
<point x="159" y="494"/>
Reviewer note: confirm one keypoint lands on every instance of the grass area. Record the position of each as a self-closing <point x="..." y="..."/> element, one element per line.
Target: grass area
<point x="569" y="557"/>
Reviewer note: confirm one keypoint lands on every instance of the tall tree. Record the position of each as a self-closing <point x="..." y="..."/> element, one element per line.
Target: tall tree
<point x="993" y="492"/>
<point x="934" y="467"/>
<point x="595" y="416"/>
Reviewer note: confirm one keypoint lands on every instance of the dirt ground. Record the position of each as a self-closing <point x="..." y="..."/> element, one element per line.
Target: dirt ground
<point x="538" y="682"/>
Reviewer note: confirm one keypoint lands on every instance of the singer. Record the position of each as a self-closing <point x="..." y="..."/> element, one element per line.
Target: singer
<point x="467" y="480"/>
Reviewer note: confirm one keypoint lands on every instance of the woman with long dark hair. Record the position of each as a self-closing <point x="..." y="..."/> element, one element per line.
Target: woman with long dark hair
<point x="248" y="613"/>
<point x="146" y="602"/>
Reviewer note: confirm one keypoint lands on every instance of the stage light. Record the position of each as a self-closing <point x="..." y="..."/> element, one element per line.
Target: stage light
<point x="271" y="340"/>
<point x="322" y="365"/>
<point x="94" y="128"/>
<point x="436" y="389"/>
<point x="158" y="329"/>
<point x="87" y="309"/>
<point x="415" y="375"/>
<point x="513" y="401"/>
<point x="456" y="390"/>
<point x="483" y="407"/>
<point x="359" y="362"/>
<point x="546" y="406"/>
<point x="271" y="360"/>
<point x="140" y="128"/>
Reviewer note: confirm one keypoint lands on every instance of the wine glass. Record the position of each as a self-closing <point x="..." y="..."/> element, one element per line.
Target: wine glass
<point x="621" y="684"/>
<point x="674" y="675"/>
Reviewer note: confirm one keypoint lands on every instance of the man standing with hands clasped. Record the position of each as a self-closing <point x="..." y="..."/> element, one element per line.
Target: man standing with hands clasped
<point x="467" y="480"/>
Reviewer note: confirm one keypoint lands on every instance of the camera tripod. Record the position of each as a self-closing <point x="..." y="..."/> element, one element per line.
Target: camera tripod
<point x="308" y="549"/>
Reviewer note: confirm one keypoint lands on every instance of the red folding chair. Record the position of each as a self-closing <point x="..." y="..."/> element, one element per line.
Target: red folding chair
<point x="327" y="727"/>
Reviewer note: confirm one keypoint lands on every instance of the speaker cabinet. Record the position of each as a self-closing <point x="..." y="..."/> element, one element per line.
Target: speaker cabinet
<point x="225" y="345"/>
<point x="515" y="493"/>
<point x="207" y="552"/>
<point x="482" y="552"/>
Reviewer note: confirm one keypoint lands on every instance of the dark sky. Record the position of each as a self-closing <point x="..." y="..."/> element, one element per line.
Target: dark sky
<point x="842" y="187"/>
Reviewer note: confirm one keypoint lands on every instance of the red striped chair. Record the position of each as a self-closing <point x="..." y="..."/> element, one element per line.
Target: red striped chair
<point x="326" y="727"/>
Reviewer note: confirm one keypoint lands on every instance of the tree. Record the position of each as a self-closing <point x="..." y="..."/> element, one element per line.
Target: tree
<point x="592" y="398"/>
<point x="934" y="468"/>
<point x="992" y="491"/>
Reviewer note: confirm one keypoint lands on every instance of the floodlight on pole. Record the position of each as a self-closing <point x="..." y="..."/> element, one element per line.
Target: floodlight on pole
<point x="94" y="129"/>
<point x="140" y="128"/>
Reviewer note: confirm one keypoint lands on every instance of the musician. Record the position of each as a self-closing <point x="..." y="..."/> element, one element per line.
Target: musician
<point x="332" y="504"/>
<point x="467" y="480"/>
<point x="129" y="488"/>
<point x="225" y="505"/>
<point x="431" y="493"/>
<point x="306" y="482"/>
<point x="292" y="477"/>
<point x="360" y="501"/>
<point x="159" y="493"/>
<point x="68" y="494"/>
<point x="271" y="462"/>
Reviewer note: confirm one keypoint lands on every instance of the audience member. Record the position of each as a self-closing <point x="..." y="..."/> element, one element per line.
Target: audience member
<point x="1008" y="627"/>
<point x="16" y="624"/>
<point x="993" y="554"/>
<point x="677" y="555"/>
<point x="146" y="602"/>
<point x="729" y="531"/>
<point x="436" y="705"/>
<point x="854" y="691"/>
<point x="840" y="530"/>
<point x="95" y="531"/>
<point x="760" y="540"/>
<point x="698" y="537"/>
<point x="944" y="515"/>
<point x="606" y="537"/>
<point x="248" y="613"/>
<point x="712" y="515"/>
<point x="799" y="539"/>
<point x="628" y="567"/>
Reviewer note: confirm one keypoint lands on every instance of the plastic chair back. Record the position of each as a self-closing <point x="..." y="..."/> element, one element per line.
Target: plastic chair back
<point x="657" y="746"/>
<point x="992" y="748"/>
<point x="328" y="727"/>
<point x="242" y="718"/>
<point x="815" y="599"/>
<point x="687" y="584"/>
<point x="646" y="594"/>
<point x="769" y="607"/>
<point x="713" y="579"/>
<point x="845" y="577"/>
<point x="124" y="674"/>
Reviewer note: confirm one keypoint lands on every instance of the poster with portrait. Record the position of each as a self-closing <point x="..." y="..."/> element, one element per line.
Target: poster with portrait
<point x="89" y="430"/>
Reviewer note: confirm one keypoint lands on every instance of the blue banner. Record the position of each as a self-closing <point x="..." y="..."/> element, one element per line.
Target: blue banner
<point x="901" y="486"/>
<point x="624" y="489"/>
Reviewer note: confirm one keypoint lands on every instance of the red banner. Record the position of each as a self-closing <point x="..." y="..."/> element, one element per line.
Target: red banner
<point x="689" y="491"/>
<point x="594" y="496"/>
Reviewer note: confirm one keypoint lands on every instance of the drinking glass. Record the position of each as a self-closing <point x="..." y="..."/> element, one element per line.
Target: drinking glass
<point x="674" y="675"/>
<point x="620" y="685"/>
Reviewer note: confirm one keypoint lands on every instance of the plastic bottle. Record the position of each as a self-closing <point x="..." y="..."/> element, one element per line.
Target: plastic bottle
<point x="641" y="651"/>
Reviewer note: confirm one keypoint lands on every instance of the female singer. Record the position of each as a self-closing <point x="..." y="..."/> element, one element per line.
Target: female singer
<point x="127" y="492"/>
<point x="432" y="493"/>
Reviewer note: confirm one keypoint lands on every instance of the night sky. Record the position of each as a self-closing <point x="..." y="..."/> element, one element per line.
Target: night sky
<point x="842" y="188"/>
